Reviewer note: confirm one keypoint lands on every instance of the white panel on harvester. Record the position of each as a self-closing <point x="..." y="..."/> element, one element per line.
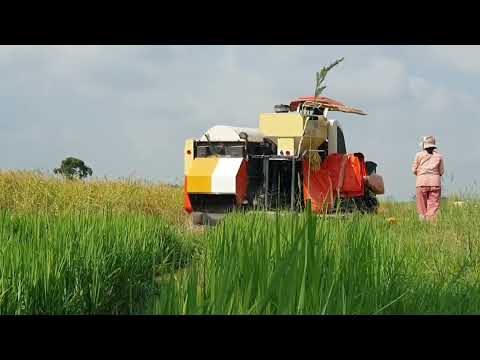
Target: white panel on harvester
<point x="224" y="175"/>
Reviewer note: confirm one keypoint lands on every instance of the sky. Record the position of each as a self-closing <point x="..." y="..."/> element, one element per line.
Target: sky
<point x="127" y="110"/>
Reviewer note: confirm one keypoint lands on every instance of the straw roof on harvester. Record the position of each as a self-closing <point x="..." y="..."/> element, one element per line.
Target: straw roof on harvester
<point x="321" y="101"/>
<point x="330" y="104"/>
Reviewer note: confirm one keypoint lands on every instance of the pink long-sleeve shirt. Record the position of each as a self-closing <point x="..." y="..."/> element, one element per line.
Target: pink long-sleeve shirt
<point x="428" y="168"/>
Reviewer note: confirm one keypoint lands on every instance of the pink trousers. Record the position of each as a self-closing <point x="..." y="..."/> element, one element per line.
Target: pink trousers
<point x="428" y="202"/>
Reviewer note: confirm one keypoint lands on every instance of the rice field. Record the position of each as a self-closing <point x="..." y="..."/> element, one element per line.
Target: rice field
<point x="84" y="263"/>
<point x="291" y="264"/>
<point x="125" y="247"/>
<point x="30" y="192"/>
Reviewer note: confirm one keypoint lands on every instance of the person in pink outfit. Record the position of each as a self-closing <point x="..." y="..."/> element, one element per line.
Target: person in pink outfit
<point x="428" y="167"/>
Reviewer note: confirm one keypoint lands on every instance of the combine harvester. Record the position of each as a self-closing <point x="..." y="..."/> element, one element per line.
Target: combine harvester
<point x="296" y="155"/>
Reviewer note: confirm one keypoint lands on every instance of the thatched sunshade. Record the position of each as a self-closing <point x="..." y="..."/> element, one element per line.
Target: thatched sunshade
<point x="330" y="104"/>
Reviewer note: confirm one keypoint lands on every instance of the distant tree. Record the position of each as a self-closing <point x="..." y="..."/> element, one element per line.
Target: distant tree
<point x="73" y="168"/>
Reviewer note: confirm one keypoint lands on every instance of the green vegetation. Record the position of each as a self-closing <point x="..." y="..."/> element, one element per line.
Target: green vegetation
<point x="292" y="264"/>
<point x="83" y="263"/>
<point x="73" y="168"/>
<point x="124" y="247"/>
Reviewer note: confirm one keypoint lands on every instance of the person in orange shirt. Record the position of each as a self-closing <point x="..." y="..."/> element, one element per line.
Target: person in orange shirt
<point x="428" y="167"/>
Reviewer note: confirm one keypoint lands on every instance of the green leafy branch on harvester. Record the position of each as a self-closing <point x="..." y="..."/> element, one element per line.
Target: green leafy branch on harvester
<point x="321" y="77"/>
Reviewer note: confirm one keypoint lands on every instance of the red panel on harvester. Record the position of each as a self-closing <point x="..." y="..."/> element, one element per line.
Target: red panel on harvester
<point x="346" y="173"/>
<point x="317" y="187"/>
<point x="241" y="183"/>
<point x="353" y="184"/>
<point x="333" y="164"/>
<point x="338" y="172"/>
<point x="188" y="204"/>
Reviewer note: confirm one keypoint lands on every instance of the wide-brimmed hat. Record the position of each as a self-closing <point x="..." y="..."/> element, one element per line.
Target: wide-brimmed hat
<point x="429" y="142"/>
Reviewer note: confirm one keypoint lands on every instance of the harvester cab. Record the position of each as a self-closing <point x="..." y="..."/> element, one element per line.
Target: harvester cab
<point x="296" y="155"/>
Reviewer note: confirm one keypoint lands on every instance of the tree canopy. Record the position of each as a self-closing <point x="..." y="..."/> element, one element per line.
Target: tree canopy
<point x="73" y="168"/>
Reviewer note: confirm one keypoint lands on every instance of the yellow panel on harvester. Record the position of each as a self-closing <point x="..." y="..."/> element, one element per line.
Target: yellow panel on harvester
<point x="286" y="146"/>
<point x="188" y="155"/>
<point x="199" y="175"/>
<point x="281" y="124"/>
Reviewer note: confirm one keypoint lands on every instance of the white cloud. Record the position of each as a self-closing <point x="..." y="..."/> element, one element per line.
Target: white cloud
<point x="463" y="58"/>
<point x="378" y="79"/>
<point x="127" y="109"/>
<point x="419" y="87"/>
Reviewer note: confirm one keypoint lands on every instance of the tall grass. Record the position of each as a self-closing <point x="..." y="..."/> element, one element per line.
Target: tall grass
<point x="120" y="247"/>
<point x="26" y="191"/>
<point x="307" y="265"/>
<point x="80" y="263"/>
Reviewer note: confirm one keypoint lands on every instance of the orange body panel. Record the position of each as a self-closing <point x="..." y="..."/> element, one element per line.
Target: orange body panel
<point x="355" y="171"/>
<point x="188" y="204"/>
<point x="339" y="174"/>
<point x="241" y="183"/>
<point x="317" y="188"/>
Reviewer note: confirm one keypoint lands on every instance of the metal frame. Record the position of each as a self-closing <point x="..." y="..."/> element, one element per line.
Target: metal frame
<point x="292" y="191"/>
<point x="266" y="162"/>
<point x="266" y="175"/>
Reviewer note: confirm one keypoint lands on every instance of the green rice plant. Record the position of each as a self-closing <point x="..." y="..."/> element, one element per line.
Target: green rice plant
<point x="121" y="247"/>
<point x="80" y="263"/>
<point x="287" y="265"/>
<point x="304" y="264"/>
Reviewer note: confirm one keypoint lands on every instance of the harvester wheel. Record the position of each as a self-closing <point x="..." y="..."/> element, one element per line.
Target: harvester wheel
<point x="212" y="218"/>
<point x="197" y="218"/>
<point x="371" y="204"/>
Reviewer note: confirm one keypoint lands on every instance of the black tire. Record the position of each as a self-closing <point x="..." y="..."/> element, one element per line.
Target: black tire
<point x="371" y="203"/>
<point x="197" y="218"/>
<point x="366" y="204"/>
<point x="212" y="218"/>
